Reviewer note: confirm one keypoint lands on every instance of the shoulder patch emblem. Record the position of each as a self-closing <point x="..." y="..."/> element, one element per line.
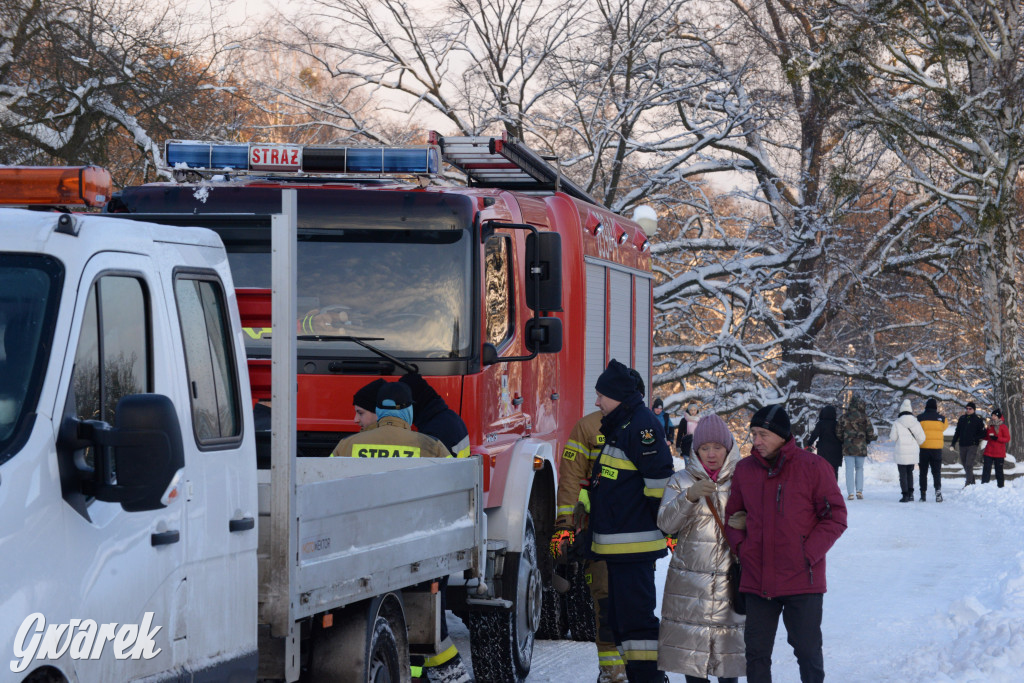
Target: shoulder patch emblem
<point x="647" y="436"/>
<point x="569" y="454"/>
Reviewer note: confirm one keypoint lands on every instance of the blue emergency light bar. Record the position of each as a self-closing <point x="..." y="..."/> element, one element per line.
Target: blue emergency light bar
<point x="257" y="157"/>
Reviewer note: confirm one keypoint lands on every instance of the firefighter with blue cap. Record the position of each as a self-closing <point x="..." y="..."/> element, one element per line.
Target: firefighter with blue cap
<point x="393" y="438"/>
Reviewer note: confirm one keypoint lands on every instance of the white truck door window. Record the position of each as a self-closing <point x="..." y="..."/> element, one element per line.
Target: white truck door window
<point x="213" y="386"/>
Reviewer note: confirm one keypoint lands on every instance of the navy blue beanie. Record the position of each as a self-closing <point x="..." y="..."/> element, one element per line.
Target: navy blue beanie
<point x="616" y="382"/>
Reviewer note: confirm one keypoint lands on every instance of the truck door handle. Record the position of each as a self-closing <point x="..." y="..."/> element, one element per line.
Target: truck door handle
<point x="165" y="537"/>
<point x="242" y="524"/>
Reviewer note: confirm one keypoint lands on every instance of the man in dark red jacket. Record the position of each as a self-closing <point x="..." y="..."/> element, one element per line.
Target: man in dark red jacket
<point x="784" y="513"/>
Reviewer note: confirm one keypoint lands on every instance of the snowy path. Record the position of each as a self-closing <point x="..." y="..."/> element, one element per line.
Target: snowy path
<point x="927" y="592"/>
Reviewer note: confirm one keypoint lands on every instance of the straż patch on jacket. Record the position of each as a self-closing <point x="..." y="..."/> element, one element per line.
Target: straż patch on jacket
<point x="647" y="436"/>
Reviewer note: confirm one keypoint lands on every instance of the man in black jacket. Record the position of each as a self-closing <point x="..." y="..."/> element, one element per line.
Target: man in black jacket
<point x="970" y="430"/>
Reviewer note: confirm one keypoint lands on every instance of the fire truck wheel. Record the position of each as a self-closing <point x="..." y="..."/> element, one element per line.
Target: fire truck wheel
<point x="553" y="622"/>
<point x="579" y="606"/>
<point x="502" y="639"/>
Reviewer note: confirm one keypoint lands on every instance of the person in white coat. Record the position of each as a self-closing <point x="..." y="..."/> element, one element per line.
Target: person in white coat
<point x="700" y="635"/>
<point x="907" y="435"/>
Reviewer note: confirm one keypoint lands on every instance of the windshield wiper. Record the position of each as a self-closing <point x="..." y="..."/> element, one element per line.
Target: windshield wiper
<point x="408" y="367"/>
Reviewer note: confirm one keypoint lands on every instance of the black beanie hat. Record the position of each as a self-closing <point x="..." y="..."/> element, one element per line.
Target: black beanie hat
<point x="997" y="413"/>
<point x="931" y="404"/>
<point x="657" y="404"/>
<point x="616" y="382"/>
<point x="970" y="404"/>
<point x="774" y="419"/>
<point x="394" y="395"/>
<point x="639" y="381"/>
<point x="366" y="398"/>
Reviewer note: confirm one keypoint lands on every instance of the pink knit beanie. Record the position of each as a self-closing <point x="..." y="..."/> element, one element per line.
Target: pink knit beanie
<point x="712" y="429"/>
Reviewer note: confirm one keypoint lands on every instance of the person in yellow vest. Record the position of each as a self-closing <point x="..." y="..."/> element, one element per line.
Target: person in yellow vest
<point x="393" y="438"/>
<point x="578" y="457"/>
<point x="931" y="450"/>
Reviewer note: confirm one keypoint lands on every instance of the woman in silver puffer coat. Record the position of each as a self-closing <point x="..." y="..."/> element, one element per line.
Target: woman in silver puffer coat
<point x="701" y="636"/>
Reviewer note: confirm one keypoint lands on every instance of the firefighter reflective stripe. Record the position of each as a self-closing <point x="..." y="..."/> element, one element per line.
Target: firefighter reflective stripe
<point x="609" y="658"/>
<point x="639" y="650"/>
<point x="371" y="450"/>
<point x="655" y="488"/>
<point x="461" y="449"/>
<point x="307" y="322"/>
<point x="575" y="447"/>
<point x="616" y="457"/>
<point x="447" y="651"/>
<point x="621" y="544"/>
<point x="564" y="510"/>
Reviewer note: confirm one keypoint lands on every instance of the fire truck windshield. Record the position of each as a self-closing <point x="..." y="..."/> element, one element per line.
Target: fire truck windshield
<point x="409" y="289"/>
<point x="29" y="291"/>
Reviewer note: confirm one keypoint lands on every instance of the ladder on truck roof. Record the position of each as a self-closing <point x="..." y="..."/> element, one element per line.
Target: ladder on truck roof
<point x="504" y="163"/>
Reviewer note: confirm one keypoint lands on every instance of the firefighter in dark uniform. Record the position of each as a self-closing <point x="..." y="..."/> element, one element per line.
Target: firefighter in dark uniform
<point x="578" y="458"/>
<point x="434" y="418"/>
<point x="393" y="437"/>
<point x="625" y="493"/>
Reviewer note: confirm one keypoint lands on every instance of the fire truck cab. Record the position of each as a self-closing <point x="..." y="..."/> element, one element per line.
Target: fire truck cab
<point x="508" y="295"/>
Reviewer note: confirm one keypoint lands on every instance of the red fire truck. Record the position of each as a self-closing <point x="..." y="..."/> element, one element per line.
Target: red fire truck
<point x="509" y="295"/>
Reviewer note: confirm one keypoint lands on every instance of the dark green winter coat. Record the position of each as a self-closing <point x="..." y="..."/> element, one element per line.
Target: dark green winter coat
<point x="855" y="428"/>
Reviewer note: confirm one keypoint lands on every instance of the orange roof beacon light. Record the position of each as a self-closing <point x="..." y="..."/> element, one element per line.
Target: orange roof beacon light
<point x="54" y="185"/>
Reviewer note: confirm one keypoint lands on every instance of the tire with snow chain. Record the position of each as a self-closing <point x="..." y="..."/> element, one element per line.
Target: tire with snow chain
<point x="579" y="606"/>
<point x="502" y="640"/>
<point x="553" y="622"/>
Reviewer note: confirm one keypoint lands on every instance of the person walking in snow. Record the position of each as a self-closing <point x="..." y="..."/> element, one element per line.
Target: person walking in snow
<point x="784" y="513"/>
<point x="824" y="434"/>
<point x="701" y="636"/>
<point x="907" y="435"/>
<point x="997" y="436"/>
<point x="970" y="430"/>
<point x="931" y="450"/>
<point x="684" y="432"/>
<point x="857" y="432"/>
<point x="658" y="408"/>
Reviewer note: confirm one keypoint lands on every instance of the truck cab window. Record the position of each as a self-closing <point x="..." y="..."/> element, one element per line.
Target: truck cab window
<point x="213" y="384"/>
<point x="30" y="287"/>
<point x="498" y="280"/>
<point x="112" y="359"/>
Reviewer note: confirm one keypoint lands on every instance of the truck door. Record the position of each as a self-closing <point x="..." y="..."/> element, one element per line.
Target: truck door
<point x="502" y="393"/>
<point x="220" y="490"/>
<point x="119" y="566"/>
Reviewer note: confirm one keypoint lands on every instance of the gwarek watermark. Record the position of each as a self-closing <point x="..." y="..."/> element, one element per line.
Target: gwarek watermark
<point x="82" y="639"/>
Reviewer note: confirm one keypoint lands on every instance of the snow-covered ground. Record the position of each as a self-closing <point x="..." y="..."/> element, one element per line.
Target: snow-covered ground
<point x="916" y="591"/>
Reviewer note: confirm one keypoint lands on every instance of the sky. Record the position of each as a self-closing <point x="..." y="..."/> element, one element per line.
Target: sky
<point x="917" y="592"/>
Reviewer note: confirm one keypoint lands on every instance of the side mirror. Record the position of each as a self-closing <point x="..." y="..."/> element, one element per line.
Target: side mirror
<point x="490" y="354"/>
<point x="544" y="264"/>
<point x="138" y="459"/>
<point x="544" y="335"/>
